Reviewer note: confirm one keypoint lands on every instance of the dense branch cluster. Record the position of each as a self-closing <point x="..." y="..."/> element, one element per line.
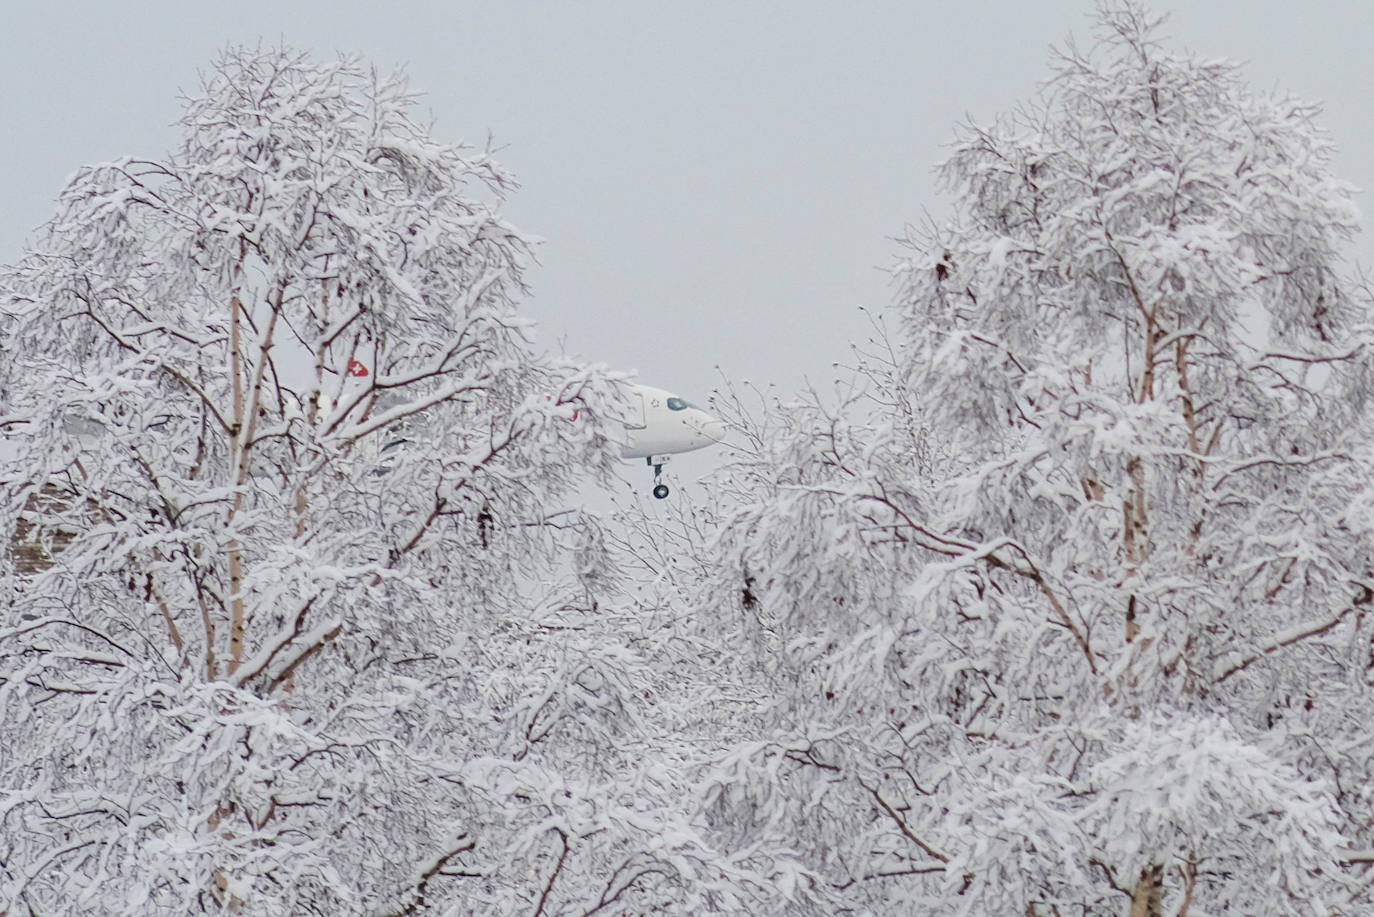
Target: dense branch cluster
<point x="1061" y="607"/>
<point x="284" y="471"/>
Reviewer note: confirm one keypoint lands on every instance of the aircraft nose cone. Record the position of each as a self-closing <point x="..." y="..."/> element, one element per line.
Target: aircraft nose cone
<point x="713" y="429"/>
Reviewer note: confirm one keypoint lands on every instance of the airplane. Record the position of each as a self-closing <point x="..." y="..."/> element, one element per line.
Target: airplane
<point x="661" y="424"/>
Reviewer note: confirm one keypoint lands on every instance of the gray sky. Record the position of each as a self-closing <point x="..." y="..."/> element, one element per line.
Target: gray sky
<point x="718" y="183"/>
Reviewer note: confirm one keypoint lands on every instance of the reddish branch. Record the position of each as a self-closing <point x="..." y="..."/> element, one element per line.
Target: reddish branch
<point x="1026" y="568"/>
<point x="1300" y="633"/>
<point x="548" y="887"/>
<point x="436" y="868"/>
<point x="902" y="825"/>
<point x="607" y="899"/>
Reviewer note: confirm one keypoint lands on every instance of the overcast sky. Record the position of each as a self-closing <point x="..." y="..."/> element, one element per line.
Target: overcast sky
<point x="717" y="183"/>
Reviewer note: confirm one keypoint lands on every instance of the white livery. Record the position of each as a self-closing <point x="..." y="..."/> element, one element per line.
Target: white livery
<point x="661" y="424"/>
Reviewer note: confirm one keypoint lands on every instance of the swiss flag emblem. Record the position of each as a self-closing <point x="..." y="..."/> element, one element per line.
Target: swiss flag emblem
<point x="355" y="368"/>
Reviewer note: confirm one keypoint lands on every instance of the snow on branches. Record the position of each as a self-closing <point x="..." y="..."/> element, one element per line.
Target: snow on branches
<point x="276" y="617"/>
<point x="1061" y="606"/>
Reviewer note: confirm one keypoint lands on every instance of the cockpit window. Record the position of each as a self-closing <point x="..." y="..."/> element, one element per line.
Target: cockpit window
<point x="678" y="404"/>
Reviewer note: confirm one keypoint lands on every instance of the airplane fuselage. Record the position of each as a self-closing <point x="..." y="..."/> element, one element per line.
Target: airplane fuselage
<point x="661" y="424"/>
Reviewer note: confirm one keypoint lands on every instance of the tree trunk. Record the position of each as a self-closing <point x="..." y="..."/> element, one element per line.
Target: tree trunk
<point x="1146" y="898"/>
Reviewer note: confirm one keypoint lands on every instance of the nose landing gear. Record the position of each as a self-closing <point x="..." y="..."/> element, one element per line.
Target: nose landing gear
<point x="657" y="461"/>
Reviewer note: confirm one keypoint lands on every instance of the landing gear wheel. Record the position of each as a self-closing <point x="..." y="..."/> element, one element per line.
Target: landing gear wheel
<point x="660" y="491"/>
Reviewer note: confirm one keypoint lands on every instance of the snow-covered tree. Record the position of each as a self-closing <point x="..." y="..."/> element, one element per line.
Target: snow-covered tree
<point x="1065" y="608"/>
<point x="296" y="619"/>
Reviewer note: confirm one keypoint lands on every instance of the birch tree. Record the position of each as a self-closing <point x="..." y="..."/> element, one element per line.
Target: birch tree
<point x="1062" y="607"/>
<point x="298" y="619"/>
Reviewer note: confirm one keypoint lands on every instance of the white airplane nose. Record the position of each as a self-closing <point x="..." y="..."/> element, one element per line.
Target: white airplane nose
<point x="710" y="427"/>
